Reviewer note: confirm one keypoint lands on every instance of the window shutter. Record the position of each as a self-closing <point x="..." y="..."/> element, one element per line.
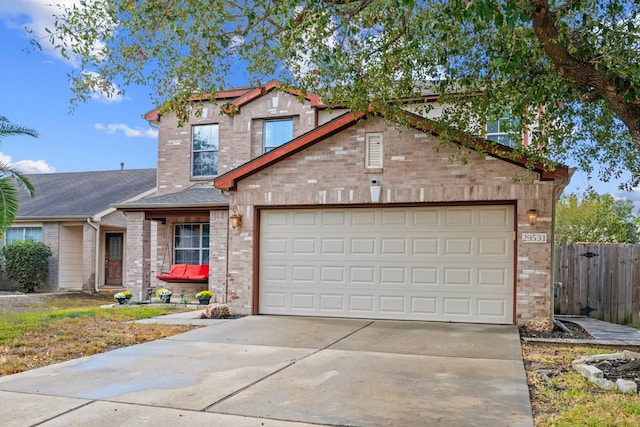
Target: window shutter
<point x="373" y="150"/>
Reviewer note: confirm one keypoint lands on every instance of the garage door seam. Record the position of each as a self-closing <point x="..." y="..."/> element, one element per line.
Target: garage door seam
<point x="293" y="362"/>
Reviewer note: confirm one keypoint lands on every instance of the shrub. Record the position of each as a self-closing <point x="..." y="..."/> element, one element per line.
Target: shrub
<point x="25" y="263"/>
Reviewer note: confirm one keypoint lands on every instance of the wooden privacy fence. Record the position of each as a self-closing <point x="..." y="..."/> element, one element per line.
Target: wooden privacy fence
<point x="600" y="280"/>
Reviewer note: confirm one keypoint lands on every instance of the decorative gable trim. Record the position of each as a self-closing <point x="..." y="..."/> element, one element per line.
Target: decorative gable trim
<point x="228" y="181"/>
<point x="154" y="115"/>
<point x="235" y="106"/>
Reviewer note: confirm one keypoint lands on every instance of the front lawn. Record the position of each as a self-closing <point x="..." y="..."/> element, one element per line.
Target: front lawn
<point x="52" y="330"/>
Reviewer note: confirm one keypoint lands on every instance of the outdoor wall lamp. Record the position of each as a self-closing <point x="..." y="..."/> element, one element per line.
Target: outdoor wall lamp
<point x="235" y="218"/>
<point x="532" y="214"/>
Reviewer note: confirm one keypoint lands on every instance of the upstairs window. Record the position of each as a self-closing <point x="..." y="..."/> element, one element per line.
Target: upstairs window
<point x="191" y="244"/>
<point x="276" y="133"/>
<point x="373" y="151"/>
<point x="22" y="234"/>
<point x="501" y="131"/>
<point x="204" y="150"/>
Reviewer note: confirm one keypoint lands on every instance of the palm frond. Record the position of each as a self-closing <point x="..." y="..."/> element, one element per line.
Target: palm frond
<point x="9" y="129"/>
<point x="9" y="202"/>
<point x="22" y="181"/>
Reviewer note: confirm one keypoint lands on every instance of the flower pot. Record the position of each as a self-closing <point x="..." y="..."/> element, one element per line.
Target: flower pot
<point x="166" y="299"/>
<point x="122" y="300"/>
<point x="204" y="301"/>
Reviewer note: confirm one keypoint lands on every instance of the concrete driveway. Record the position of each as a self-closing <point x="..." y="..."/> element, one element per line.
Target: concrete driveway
<point x="287" y="371"/>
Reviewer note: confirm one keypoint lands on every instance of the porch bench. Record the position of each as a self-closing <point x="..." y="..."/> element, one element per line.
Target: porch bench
<point x="186" y="273"/>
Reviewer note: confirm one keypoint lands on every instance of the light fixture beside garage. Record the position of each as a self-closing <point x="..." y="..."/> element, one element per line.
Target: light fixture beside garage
<point x="375" y="189"/>
<point x="532" y="214"/>
<point x="235" y="218"/>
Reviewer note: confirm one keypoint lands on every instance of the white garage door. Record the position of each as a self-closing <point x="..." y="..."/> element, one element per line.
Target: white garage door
<point x="425" y="263"/>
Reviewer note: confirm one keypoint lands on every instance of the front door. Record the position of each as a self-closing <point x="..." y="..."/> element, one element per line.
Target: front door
<point x="113" y="260"/>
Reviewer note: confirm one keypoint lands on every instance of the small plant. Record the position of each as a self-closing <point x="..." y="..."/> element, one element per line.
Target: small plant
<point x="204" y="295"/>
<point x="26" y="263"/>
<point x="123" y="295"/>
<point x="163" y="293"/>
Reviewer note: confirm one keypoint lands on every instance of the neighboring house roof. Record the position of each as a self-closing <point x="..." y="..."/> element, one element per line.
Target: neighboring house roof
<point x="240" y="97"/>
<point x="196" y="196"/>
<point x="71" y="195"/>
<point x="228" y="180"/>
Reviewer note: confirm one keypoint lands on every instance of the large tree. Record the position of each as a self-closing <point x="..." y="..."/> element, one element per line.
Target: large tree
<point x="11" y="179"/>
<point x="570" y="69"/>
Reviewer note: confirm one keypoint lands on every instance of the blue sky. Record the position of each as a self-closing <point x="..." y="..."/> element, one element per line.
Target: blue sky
<point x="101" y="133"/>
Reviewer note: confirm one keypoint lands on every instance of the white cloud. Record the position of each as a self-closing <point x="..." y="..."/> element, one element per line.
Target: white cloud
<point x="129" y="132"/>
<point x="40" y="14"/>
<point x="37" y="16"/>
<point x="27" y="166"/>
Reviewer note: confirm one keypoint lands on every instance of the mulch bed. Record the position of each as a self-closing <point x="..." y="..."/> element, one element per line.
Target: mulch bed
<point x="577" y="332"/>
<point x="627" y="369"/>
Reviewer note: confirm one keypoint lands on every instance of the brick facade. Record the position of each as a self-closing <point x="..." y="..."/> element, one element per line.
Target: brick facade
<point x="417" y="170"/>
<point x="332" y="173"/>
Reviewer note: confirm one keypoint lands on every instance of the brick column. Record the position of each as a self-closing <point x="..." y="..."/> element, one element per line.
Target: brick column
<point x="137" y="262"/>
<point x="219" y="229"/>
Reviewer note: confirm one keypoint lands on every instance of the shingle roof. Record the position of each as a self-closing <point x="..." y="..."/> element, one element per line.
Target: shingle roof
<point x="82" y="194"/>
<point x="199" y="195"/>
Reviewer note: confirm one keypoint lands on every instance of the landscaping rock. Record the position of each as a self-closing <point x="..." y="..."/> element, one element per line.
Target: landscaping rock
<point x="540" y="324"/>
<point x="215" y="311"/>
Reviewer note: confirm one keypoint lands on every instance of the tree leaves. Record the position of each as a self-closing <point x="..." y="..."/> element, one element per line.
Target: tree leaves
<point x="484" y="56"/>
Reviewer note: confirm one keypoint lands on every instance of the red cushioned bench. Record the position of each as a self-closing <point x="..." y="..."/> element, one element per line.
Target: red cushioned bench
<point x="186" y="273"/>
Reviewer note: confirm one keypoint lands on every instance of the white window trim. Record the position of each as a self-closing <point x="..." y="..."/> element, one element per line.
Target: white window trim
<point x="266" y="149"/>
<point x="200" y="248"/>
<point x="193" y="151"/>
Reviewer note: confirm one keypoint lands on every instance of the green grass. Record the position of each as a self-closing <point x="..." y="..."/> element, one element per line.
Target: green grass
<point x="15" y="325"/>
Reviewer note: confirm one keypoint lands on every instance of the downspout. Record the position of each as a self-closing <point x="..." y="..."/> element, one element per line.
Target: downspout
<point x="97" y="248"/>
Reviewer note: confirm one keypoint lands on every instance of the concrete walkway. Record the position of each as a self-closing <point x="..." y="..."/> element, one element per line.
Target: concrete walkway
<point x="605" y="332"/>
<point x="286" y="371"/>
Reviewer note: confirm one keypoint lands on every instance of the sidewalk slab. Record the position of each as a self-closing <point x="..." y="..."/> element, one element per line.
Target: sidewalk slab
<point x="380" y="389"/>
<point x="278" y="331"/>
<point x="437" y="339"/>
<point x="23" y="409"/>
<point x="99" y="414"/>
<point x="184" y="375"/>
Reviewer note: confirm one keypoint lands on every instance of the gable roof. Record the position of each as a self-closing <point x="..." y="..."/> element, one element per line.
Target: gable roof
<point x="228" y="181"/>
<point x="154" y="115"/>
<point x="78" y="195"/>
<point x="240" y="97"/>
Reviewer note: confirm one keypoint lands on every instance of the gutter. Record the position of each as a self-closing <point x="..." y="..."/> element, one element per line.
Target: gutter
<point x="97" y="249"/>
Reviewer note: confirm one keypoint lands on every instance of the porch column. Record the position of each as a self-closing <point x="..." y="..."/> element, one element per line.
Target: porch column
<point x="219" y="229"/>
<point x="138" y="250"/>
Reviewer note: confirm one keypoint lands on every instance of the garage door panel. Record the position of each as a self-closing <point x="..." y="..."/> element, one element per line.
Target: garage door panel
<point x="303" y="273"/>
<point x="332" y="302"/>
<point x="393" y="247"/>
<point x="427" y="263"/>
<point x="458" y="217"/>
<point x="457" y="307"/>
<point x="362" y="275"/>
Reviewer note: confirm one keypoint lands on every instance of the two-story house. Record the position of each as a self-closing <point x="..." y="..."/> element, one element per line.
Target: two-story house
<point x="299" y="210"/>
